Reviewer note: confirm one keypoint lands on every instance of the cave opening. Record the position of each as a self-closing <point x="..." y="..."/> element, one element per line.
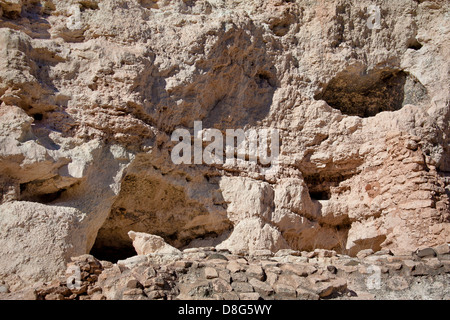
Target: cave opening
<point x="358" y="92"/>
<point x="112" y="253"/>
<point x="414" y="44"/>
<point x="320" y="184"/>
<point x="320" y="195"/>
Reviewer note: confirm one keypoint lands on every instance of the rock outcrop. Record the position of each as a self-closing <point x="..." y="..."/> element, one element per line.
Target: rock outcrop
<point x="91" y="92"/>
<point x="145" y="243"/>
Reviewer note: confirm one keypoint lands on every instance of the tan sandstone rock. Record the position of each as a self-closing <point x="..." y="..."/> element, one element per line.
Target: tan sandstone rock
<point x="148" y="243"/>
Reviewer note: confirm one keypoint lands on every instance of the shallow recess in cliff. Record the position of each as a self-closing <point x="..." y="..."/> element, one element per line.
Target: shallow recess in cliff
<point x="153" y="203"/>
<point x="414" y="44"/>
<point x="358" y="92"/>
<point x="320" y="184"/>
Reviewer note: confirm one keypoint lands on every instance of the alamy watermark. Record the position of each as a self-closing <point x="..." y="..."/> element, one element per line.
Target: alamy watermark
<point x="374" y="21"/>
<point x="257" y="147"/>
<point x="73" y="274"/>
<point x="373" y="282"/>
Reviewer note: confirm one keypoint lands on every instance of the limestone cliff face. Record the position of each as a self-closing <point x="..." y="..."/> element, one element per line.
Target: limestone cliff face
<point x="91" y="91"/>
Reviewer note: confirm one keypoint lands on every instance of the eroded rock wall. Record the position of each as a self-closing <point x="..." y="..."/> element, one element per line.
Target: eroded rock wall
<point x="91" y="91"/>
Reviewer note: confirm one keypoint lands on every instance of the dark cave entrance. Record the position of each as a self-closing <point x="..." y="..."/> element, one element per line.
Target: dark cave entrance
<point x="112" y="253"/>
<point x="358" y="92"/>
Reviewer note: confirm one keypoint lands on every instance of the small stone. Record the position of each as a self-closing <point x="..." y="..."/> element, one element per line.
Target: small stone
<point x="155" y="294"/>
<point x="446" y="266"/>
<point x="92" y="278"/>
<point x="261" y="287"/>
<point x="150" y="272"/>
<point x="325" y="289"/>
<point x="182" y="265"/>
<point x="80" y="290"/>
<point x="195" y="255"/>
<point x="352" y="263"/>
<point x="221" y="286"/>
<point x="106" y="264"/>
<point x="271" y="278"/>
<point x="242" y="287"/>
<point x="234" y="266"/>
<point x="274" y="268"/>
<point x="397" y="283"/>
<point x="255" y="271"/>
<point x="85" y="258"/>
<point x="398" y="258"/>
<point x="31" y="294"/>
<point x="287" y="252"/>
<point x="302" y="270"/>
<point x="157" y="282"/>
<point x="420" y="270"/>
<point x="225" y="275"/>
<point x="249" y="296"/>
<point x="132" y="262"/>
<point x="442" y="249"/>
<point x="239" y="277"/>
<point x="93" y="290"/>
<point x="210" y="273"/>
<point x="434" y="263"/>
<point x="292" y="280"/>
<point x="348" y="269"/>
<point x="262" y="253"/>
<point x="427" y="252"/>
<point x="217" y="256"/>
<point x="133" y="292"/>
<point x="285" y="291"/>
<point x="133" y="283"/>
<point x="384" y="252"/>
<point x="98" y="296"/>
<point x="304" y="294"/>
<point x="409" y="264"/>
<point x="206" y="249"/>
<point x="364" y="253"/>
<point x="54" y="296"/>
<point x="318" y="278"/>
<point x="230" y="296"/>
<point x="395" y="266"/>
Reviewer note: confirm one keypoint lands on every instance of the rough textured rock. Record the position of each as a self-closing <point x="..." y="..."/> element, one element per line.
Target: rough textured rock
<point x="145" y="244"/>
<point x="323" y="276"/>
<point x="91" y="91"/>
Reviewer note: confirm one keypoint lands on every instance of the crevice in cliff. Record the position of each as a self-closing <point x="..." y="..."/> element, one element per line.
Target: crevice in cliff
<point x="320" y="184"/>
<point x="46" y="191"/>
<point x="359" y="92"/>
<point x="414" y="44"/>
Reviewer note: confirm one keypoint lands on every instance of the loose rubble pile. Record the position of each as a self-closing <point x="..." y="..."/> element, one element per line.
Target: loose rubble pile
<point x="207" y="273"/>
